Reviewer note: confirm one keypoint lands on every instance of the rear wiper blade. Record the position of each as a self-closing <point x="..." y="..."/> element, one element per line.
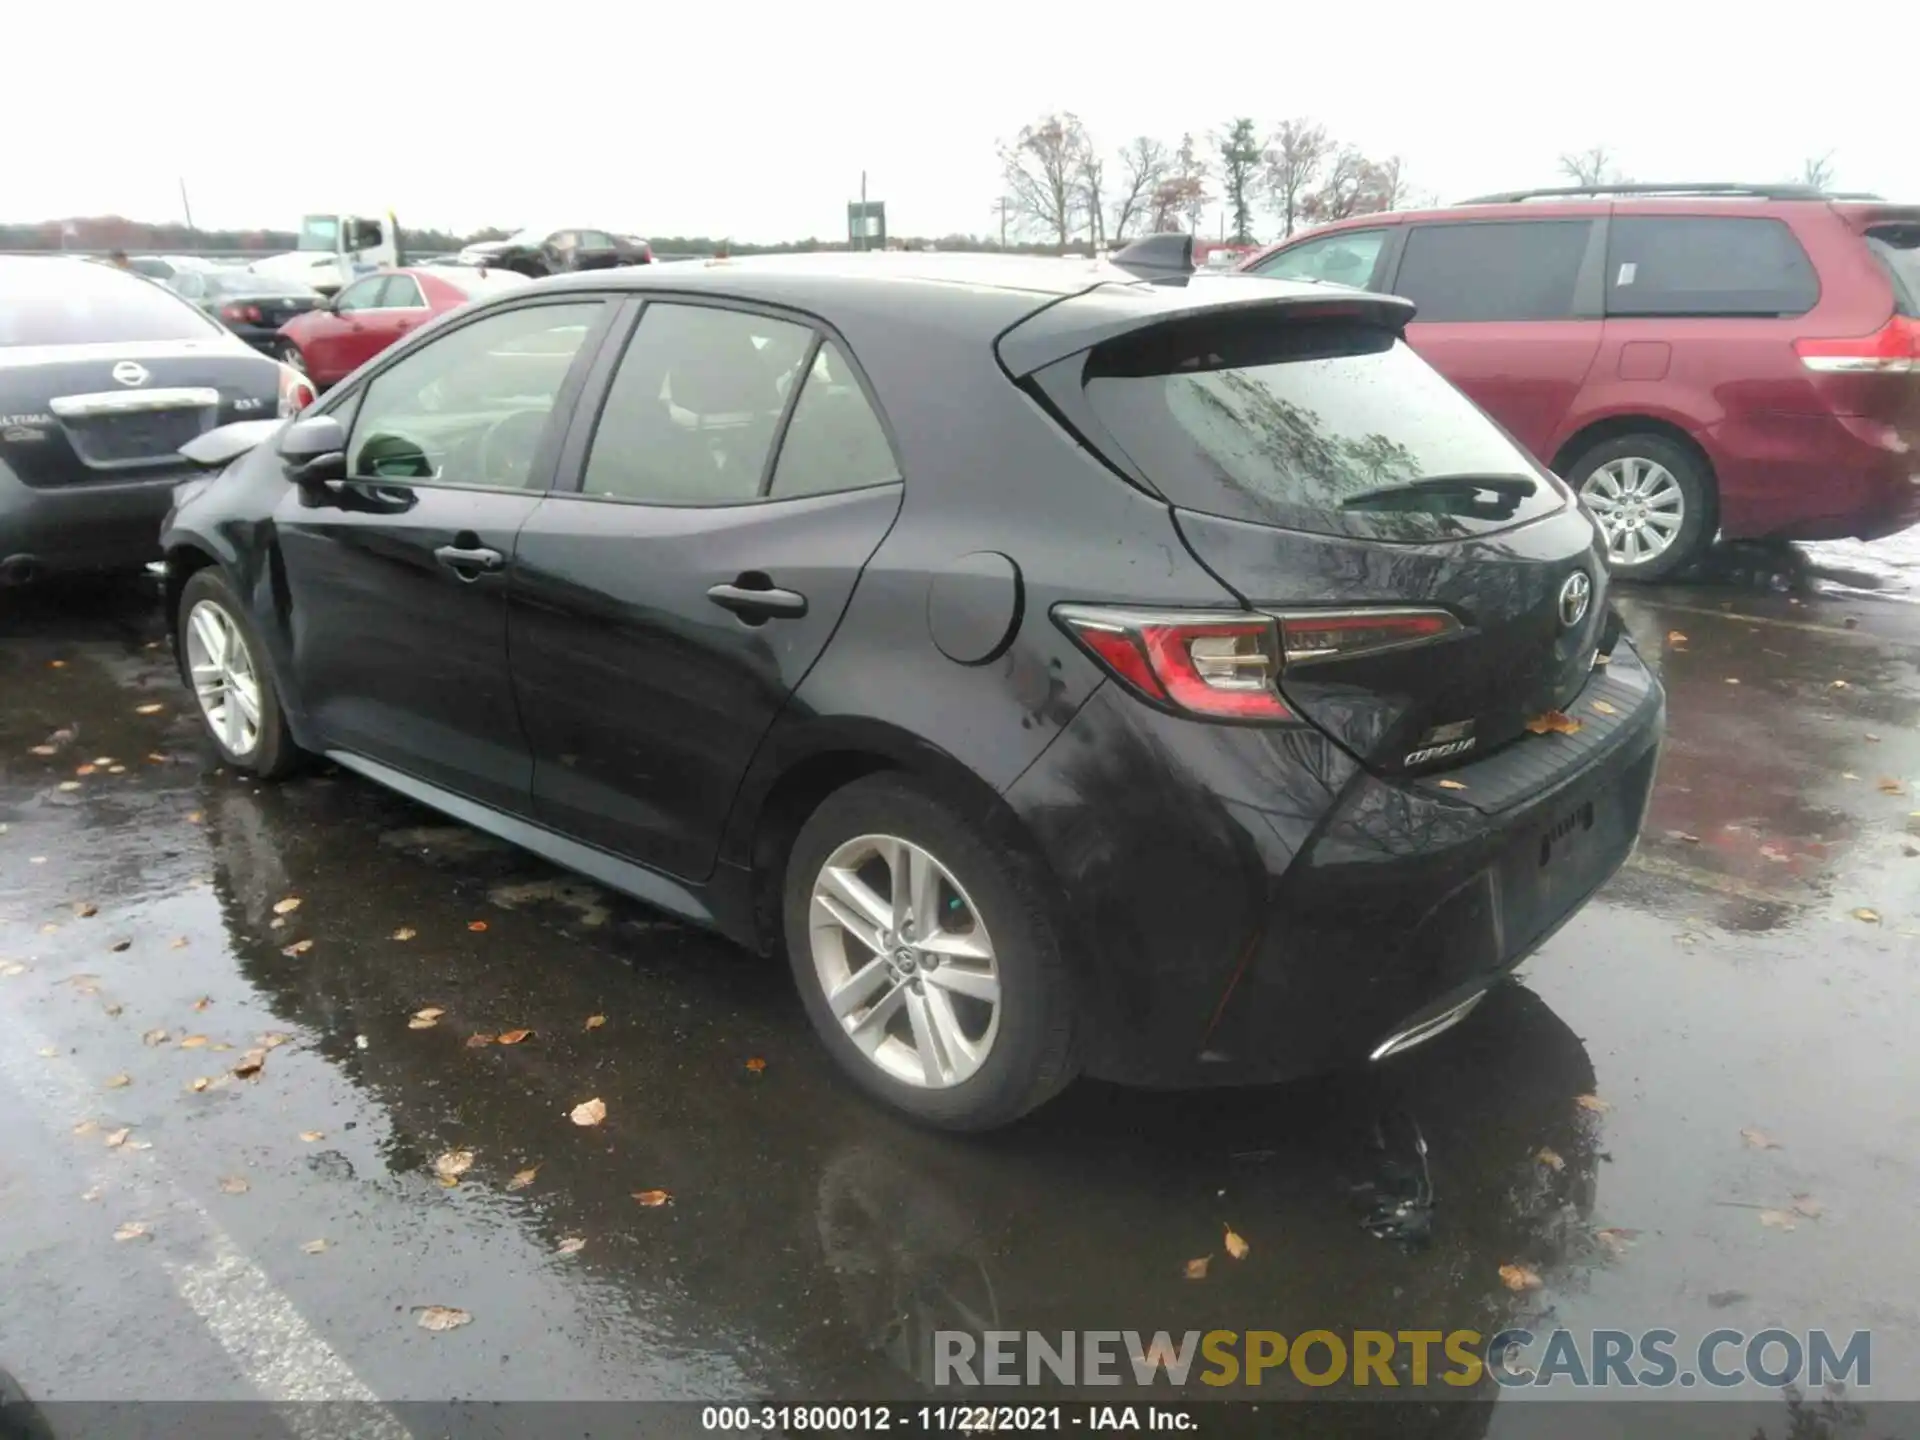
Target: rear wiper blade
<point x="1509" y="488"/>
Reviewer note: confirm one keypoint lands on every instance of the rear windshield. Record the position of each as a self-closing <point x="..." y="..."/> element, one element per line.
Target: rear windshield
<point x="1319" y="426"/>
<point x="59" y="302"/>
<point x="1897" y="247"/>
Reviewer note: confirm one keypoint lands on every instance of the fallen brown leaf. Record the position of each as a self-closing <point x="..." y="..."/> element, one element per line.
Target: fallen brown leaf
<point x="250" y="1064"/>
<point x="1593" y="1103"/>
<point x="120" y="1081"/>
<point x="1871" y="738"/>
<point x="12" y="968"/>
<point x="1841" y="685"/>
<point x="234" y="1185"/>
<point x="513" y="1037"/>
<point x="756" y="1064"/>
<point x="271" y="1040"/>
<point x="85" y="909"/>
<point x="1519" y="1277"/>
<point x="56" y="664"/>
<point x="1683" y="837"/>
<point x="594" y="1022"/>
<point x="1808" y="1206"/>
<point x="1603" y="708"/>
<point x="1731" y="680"/>
<point x="1890" y="786"/>
<point x="405" y="932"/>
<point x="1616" y="1238"/>
<point x="425" y="1019"/>
<point x="179" y="943"/>
<point x="1848" y="775"/>
<point x="572" y="1245"/>
<point x="652" y="1199"/>
<point x="1554" y="722"/>
<point x="1760" y="1140"/>
<point x="588" y="1112"/>
<point x="476" y="925"/>
<point x="298" y="948"/>
<point x="93" y="1192"/>
<point x="1674" y="637"/>
<point x="120" y="947"/>
<point x="132" y="1230"/>
<point x="313" y="1136"/>
<point x="1236" y="1247"/>
<point x="1869" y="917"/>
<point x="85" y="1127"/>
<point x="194" y="817"/>
<point x="479" y="1041"/>
<point x="47" y="1052"/>
<point x="103" y="759"/>
<point x="45" y="750"/>
<point x="148" y="709"/>
<point x="1197" y="1269"/>
<point x="119" y="1137"/>
<point x="1777" y="1219"/>
<point x="313" y="1247"/>
<point x="442" y="1317"/>
<point x="84" y="769"/>
<point x="286" y="906"/>
<point x="193" y="1042"/>
<point x="154" y="1037"/>
<point x="1450" y="785"/>
<point x="203" y="1002"/>
<point x="523" y="1178"/>
<point x="199" y="1083"/>
<point x="69" y="785"/>
<point x="453" y="1164"/>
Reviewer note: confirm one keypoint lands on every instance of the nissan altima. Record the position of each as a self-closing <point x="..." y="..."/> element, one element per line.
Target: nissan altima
<point x="1072" y="667"/>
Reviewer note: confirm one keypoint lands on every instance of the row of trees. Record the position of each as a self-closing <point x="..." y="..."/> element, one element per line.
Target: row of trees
<point x="1061" y="184"/>
<point x="1596" y="166"/>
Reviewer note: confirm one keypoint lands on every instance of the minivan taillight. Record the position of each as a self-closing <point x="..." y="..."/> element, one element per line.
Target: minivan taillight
<point x="1894" y="349"/>
<point x="1216" y="665"/>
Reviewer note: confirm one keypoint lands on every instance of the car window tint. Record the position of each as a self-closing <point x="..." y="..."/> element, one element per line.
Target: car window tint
<point x="402" y="292"/>
<point x="834" y="440"/>
<point x="1706" y="265"/>
<point x="362" y="294"/>
<point x="188" y="285"/>
<point x="1345" y="259"/>
<point x="595" y="240"/>
<point x="691" y="413"/>
<point x="471" y="407"/>
<point x="1897" y="248"/>
<point x="1514" y="270"/>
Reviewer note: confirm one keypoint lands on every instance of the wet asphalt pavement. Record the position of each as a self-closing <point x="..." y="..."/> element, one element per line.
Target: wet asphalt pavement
<point x="1722" y="983"/>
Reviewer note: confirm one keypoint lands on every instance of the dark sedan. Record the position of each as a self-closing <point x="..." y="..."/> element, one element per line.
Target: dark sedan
<point x="537" y="253"/>
<point x="1174" y="682"/>
<point x="254" y="307"/>
<point x="104" y="374"/>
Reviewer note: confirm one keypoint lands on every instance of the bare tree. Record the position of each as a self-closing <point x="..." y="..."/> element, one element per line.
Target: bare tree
<point x="1343" y="188"/>
<point x="1143" y="168"/>
<point x="1093" y="174"/>
<point x="1042" y="169"/>
<point x="1240" y="161"/>
<point x="1190" y="180"/>
<point x="1293" y="162"/>
<point x="1591" y="167"/>
<point x="1819" y="172"/>
<point x="1387" y="187"/>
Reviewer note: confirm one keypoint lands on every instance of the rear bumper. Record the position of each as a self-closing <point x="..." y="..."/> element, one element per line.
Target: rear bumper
<point x="89" y="526"/>
<point x="1251" y="905"/>
<point x="1815" y="477"/>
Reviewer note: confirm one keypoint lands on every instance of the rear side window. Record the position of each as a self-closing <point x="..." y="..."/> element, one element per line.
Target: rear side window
<point x="1322" y="426"/>
<point x="74" y="302"/>
<point x="1494" y="270"/>
<point x="1346" y="258"/>
<point x="1706" y="265"/>
<point x="1897" y="248"/>
<point x="834" y="440"/>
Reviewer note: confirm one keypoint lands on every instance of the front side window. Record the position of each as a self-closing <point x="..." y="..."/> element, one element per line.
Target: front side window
<point x="1706" y="265"/>
<point x="1344" y="259"/>
<point x="402" y="293"/>
<point x="473" y="406"/>
<point x="691" y="414"/>
<point x="361" y="295"/>
<point x="1499" y="270"/>
<point x="834" y="440"/>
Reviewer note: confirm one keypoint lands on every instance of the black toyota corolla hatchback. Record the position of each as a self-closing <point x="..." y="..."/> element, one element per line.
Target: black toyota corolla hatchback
<point x="1074" y="669"/>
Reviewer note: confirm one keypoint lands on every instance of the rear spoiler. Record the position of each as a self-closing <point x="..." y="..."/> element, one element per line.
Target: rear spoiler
<point x="1866" y="215"/>
<point x="1113" y="309"/>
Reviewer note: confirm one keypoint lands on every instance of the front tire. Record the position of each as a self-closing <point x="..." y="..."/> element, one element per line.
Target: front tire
<point x="223" y="662"/>
<point x="1654" y="499"/>
<point x="926" y="959"/>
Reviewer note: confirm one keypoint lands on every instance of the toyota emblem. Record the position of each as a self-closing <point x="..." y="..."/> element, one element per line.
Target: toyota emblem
<point x="1575" y="595"/>
<point x="129" y="373"/>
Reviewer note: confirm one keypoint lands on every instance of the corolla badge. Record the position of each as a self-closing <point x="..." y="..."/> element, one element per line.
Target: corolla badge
<point x="127" y="372"/>
<point x="1576" y="594"/>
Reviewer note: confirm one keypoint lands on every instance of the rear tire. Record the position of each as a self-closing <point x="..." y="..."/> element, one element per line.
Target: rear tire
<point x="1654" y="499"/>
<point x="919" y="1033"/>
<point x="223" y="663"/>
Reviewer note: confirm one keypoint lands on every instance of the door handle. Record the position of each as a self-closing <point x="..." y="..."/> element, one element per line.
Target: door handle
<point x="755" y="604"/>
<point x="460" y="560"/>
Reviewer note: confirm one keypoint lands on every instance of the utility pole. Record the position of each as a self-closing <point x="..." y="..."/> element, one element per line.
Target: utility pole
<point x="1002" y="208"/>
<point x="186" y="206"/>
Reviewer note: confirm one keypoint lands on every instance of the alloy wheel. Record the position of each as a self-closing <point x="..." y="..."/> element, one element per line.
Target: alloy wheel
<point x="224" y="677"/>
<point x="1640" y="506"/>
<point x="290" y="356"/>
<point x="905" y="963"/>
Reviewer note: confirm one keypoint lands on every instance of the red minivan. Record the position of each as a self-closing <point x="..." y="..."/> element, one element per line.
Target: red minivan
<point x="1740" y="360"/>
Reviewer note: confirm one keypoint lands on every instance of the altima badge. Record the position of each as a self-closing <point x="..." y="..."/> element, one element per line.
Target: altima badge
<point x="1575" y="595"/>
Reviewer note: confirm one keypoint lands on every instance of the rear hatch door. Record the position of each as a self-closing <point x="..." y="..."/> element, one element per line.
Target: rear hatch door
<point x="1441" y="592"/>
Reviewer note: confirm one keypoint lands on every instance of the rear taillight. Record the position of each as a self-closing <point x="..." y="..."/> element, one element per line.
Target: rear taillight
<point x="1221" y="666"/>
<point x="1894" y="349"/>
<point x="241" y="314"/>
<point x="296" y="392"/>
<point x="1228" y="666"/>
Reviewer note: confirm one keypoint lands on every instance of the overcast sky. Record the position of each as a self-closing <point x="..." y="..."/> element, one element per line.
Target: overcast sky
<point x="756" y="121"/>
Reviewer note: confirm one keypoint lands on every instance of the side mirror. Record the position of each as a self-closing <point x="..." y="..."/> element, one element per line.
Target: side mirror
<point x="314" y="450"/>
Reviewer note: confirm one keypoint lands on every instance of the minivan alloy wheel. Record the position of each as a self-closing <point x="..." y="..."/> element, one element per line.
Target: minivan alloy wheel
<point x="905" y="963"/>
<point x="1640" y="506"/>
<point x="224" y="678"/>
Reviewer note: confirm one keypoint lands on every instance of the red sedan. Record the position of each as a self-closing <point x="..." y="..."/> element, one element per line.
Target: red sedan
<point x="329" y="343"/>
